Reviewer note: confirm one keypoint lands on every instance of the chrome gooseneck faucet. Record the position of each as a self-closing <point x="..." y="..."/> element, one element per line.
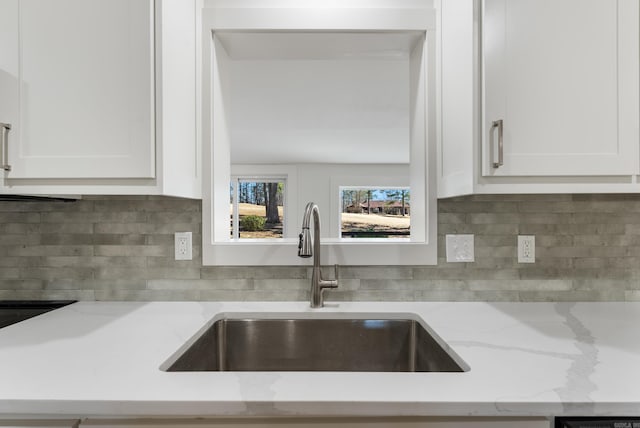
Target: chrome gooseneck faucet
<point x="305" y="250"/>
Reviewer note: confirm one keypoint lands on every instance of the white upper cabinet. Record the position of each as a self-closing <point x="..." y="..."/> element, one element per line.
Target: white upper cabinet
<point x="561" y="85"/>
<point x="100" y="96"/>
<point x="85" y="90"/>
<point x="557" y="79"/>
<point x="9" y="71"/>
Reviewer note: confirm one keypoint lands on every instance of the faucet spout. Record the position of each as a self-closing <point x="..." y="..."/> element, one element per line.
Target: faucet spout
<point x="307" y="248"/>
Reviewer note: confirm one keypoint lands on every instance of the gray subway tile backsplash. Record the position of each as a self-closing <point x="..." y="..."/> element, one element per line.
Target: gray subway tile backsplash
<point x="121" y="248"/>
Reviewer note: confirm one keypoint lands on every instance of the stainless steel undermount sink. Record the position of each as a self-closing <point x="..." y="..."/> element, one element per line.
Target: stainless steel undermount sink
<point x="331" y="342"/>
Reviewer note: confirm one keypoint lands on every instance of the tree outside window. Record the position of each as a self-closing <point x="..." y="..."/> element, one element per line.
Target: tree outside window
<point x="257" y="208"/>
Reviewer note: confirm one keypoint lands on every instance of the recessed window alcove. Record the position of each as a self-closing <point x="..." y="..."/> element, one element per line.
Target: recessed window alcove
<point x="319" y="99"/>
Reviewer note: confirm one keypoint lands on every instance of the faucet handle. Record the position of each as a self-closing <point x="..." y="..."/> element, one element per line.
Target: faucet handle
<point x="331" y="283"/>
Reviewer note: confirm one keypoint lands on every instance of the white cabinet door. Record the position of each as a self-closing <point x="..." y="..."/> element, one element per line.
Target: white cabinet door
<point x="562" y="76"/>
<point x="86" y="88"/>
<point x="9" y="72"/>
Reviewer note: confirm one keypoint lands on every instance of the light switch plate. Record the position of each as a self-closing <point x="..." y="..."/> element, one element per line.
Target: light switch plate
<point x="460" y="248"/>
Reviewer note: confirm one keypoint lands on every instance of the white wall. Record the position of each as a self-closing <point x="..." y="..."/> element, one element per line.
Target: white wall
<point x="330" y="111"/>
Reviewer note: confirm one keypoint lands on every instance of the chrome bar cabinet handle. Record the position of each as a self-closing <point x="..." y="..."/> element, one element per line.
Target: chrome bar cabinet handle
<point x="498" y="124"/>
<point x="4" y="141"/>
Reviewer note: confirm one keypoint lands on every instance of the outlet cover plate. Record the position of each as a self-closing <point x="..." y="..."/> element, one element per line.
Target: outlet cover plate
<point x="460" y="248"/>
<point x="526" y="249"/>
<point x="183" y="246"/>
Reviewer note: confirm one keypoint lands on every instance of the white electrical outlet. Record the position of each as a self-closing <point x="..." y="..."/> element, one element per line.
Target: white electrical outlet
<point x="526" y="249"/>
<point x="460" y="248"/>
<point x="183" y="246"/>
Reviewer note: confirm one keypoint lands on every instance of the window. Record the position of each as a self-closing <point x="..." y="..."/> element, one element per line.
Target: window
<point x="375" y="212"/>
<point x="257" y="208"/>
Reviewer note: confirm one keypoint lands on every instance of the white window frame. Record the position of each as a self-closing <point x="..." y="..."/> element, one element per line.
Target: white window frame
<point x="218" y="249"/>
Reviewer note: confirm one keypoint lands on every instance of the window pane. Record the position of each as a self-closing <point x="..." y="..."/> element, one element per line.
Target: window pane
<point x="260" y="209"/>
<point x="375" y="212"/>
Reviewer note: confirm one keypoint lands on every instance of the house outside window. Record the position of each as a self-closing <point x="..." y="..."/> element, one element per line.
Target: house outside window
<point x="375" y="213"/>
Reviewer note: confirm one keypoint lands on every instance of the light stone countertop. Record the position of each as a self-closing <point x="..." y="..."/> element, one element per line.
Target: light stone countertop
<point x="526" y="359"/>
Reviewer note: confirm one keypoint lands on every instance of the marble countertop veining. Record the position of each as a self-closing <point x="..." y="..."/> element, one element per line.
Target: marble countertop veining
<point x="526" y="359"/>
